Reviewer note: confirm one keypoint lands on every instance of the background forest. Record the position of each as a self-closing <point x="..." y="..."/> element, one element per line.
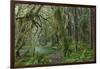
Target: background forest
<point x="52" y="34"/>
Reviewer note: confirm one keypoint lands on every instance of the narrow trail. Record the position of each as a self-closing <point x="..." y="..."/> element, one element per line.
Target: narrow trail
<point x="56" y="57"/>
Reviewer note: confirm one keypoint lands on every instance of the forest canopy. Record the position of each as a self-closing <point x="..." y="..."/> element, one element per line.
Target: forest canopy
<point x="47" y="34"/>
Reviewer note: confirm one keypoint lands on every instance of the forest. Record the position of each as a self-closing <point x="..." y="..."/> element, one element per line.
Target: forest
<point x="47" y="34"/>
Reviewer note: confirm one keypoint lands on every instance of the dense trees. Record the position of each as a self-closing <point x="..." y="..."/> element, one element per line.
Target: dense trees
<point x="48" y="34"/>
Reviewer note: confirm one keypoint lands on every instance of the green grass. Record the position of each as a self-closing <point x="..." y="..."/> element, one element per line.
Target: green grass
<point x="41" y="56"/>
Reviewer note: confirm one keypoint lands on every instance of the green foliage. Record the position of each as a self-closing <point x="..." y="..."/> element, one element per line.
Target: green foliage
<point x="51" y="34"/>
<point x="83" y="55"/>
